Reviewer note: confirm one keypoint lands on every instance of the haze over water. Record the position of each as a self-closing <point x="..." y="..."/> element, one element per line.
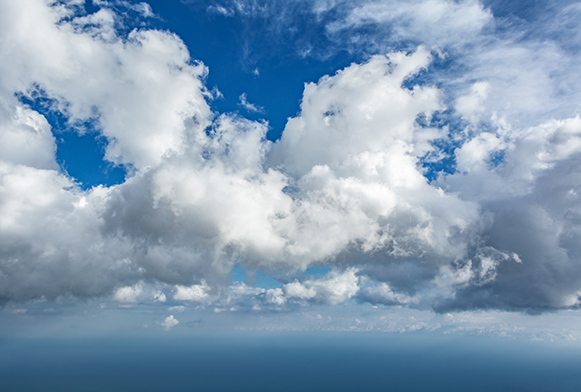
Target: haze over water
<point x="289" y="362"/>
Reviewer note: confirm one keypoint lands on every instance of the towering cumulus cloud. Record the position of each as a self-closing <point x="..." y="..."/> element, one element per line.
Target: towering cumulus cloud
<point x="346" y="186"/>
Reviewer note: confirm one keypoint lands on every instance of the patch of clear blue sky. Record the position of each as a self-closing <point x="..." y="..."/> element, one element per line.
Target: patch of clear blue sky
<point x="529" y="10"/>
<point x="234" y="47"/>
<point x="80" y="147"/>
<point x="257" y="278"/>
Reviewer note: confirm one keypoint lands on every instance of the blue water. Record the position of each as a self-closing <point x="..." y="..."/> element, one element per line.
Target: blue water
<point x="289" y="362"/>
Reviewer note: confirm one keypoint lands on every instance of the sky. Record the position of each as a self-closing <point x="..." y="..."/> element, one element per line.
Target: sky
<point x="179" y="167"/>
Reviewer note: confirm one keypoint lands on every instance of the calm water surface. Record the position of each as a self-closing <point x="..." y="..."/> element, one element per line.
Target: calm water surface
<point x="289" y="362"/>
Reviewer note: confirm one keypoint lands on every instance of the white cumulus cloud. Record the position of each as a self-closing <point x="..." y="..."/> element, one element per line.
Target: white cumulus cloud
<point x="169" y="323"/>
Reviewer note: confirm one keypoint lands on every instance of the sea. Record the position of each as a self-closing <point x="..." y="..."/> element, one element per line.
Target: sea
<point x="289" y="361"/>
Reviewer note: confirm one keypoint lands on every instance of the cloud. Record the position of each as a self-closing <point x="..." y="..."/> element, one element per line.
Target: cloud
<point x="532" y="195"/>
<point x="133" y="67"/>
<point x="383" y="294"/>
<point x="432" y="22"/>
<point x="321" y="29"/>
<point x="251" y="108"/>
<point x="218" y="9"/>
<point x="139" y="292"/>
<point x="354" y="154"/>
<point x="521" y="52"/>
<point x="198" y="293"/>
<point x="345" y="186"/>
<point x="142" y="8"/>
<point x="26" y="139"/>
<point x="169" y="323"/>
<point x="470" y="106"/>
<point x="332" y="290"/>
<point x="128" y="294"/>
<point x="48" y="224"/>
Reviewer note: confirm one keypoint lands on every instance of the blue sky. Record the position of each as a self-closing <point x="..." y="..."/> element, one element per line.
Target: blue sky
<point x="169" y="168"/>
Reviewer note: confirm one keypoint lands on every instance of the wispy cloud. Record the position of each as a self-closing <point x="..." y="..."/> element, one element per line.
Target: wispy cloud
<point x="250" y="107"/>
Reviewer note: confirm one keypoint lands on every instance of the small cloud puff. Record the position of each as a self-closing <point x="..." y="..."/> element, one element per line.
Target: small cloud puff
<point x="196" y="293"/>
<point x="169" y="323"/>
<point x="250" y="107"/>
<point x="334" y="288"/>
